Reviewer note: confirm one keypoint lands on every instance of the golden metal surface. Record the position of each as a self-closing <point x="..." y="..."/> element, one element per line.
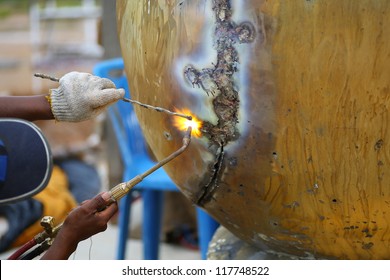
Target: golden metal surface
<point x="294" y="96"/>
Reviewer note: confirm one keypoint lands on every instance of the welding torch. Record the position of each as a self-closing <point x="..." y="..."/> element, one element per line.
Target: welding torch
<point x="124" y="188"/>
<point x="45" y="238"/>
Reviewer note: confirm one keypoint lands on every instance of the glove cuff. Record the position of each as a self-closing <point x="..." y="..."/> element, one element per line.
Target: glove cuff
<point x="59" y="106"/>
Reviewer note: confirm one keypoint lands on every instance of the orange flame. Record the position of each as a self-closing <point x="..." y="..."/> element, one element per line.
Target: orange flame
<point x="183" y="123"/>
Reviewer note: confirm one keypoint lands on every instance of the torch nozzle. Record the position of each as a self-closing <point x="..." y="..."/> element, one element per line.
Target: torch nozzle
<point x="187" y="136"/>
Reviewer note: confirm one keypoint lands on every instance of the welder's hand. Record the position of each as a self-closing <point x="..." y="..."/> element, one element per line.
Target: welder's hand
<point x="82" y="96"/>
<point x="86" y="220"/>
<point x="90" y="218"/>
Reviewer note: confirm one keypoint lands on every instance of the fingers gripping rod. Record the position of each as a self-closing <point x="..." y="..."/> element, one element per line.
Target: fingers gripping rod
<point x="147" y="106"/>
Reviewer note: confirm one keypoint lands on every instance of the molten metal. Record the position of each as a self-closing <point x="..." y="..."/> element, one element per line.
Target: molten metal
<point x="183" y="124"/>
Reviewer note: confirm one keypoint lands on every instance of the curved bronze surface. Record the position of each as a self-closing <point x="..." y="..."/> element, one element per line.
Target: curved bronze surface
<point x="294" y="99"/>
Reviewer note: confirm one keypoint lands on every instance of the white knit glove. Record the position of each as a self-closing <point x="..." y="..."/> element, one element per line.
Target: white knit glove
<point x="82" y="96"/>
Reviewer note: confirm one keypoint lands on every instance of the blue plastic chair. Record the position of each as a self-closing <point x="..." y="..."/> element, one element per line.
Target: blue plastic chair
<point x="136" y="160"/>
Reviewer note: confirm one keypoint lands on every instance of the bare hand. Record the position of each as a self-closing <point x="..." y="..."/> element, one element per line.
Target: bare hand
<point x="88" y="219"/>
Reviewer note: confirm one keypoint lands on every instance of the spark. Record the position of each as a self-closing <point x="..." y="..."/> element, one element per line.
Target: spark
<point x="183" y="123"/>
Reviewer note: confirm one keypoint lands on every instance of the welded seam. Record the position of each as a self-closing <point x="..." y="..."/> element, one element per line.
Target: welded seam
<point x="218" y="81"/>
<point x="212" y="185"/>
<point x="219" y="84"/>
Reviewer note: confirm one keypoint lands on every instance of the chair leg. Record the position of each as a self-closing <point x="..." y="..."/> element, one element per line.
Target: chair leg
<point x="151" y="225"/>
<point x="123" y="225"/>
<point x="206" y="228"/>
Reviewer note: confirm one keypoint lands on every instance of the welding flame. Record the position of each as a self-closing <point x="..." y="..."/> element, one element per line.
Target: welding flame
<point x="183" y="123"/>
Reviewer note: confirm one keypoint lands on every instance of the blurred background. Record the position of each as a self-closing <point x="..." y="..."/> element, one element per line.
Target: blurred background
<point x="54" y="38"/>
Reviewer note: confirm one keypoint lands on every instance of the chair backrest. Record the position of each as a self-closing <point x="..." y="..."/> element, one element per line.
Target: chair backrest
<point x="131" y="142"/>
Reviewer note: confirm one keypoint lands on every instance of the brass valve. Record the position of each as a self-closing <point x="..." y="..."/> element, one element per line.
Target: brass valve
<point x="47" y="222"/>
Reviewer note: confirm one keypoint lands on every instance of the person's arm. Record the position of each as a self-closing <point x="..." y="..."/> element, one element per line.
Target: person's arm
<point x="79" y="97"/>
<point x="82" y="222"/>
<point x="29" y="108"/>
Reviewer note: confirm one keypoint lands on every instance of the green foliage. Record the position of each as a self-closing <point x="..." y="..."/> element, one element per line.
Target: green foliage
<point x="14" y="6"/>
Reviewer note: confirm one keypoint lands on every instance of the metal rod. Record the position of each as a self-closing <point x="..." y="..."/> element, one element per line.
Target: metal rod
<point x="158" y="109"/>
<point x="44" y="76"/>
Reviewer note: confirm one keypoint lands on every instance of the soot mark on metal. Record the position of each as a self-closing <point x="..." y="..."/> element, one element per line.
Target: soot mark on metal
<point x="208" y="190"/>
<point x="219" y="84"/>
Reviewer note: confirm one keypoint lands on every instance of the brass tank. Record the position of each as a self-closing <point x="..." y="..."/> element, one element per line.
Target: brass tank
<point x="294" y="98"/>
